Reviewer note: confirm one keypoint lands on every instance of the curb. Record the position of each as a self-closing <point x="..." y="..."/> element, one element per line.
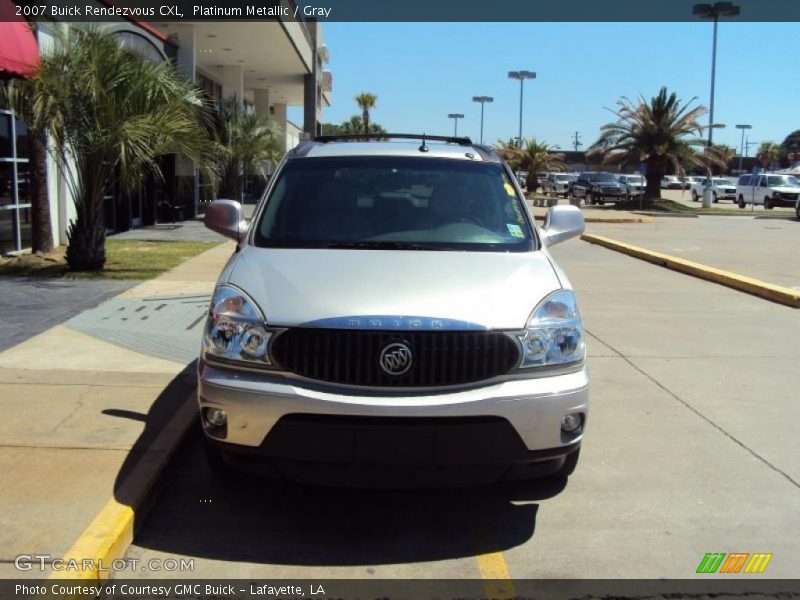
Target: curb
<point x="109" y="535"/>
<point x="756" y="287"/>
<point x="623" y="220"/>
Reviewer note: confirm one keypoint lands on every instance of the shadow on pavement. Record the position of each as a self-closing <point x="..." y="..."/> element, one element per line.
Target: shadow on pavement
<point x="276" y="522"/>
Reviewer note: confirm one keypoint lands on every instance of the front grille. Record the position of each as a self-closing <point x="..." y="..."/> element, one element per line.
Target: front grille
<point x="611" y="190"/>
<point x="351" y="357"/>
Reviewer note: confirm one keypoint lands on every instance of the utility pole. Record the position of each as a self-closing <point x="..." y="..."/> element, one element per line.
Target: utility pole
<point x="576" y="143"/>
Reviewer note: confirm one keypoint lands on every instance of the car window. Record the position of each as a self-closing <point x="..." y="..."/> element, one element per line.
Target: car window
<point x="384" y="202"/>
<point x="744" y="180"/>
<point x="604" y="178"/>
<point x="722" y="182"/>
<point x="762" y="181"/>
<point x="777" y="180"/>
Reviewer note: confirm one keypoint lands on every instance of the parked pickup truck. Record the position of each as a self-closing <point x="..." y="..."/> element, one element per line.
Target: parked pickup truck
<point x="721" y="189"/>
<point x="557" y="184"/>
<point x="768" y="189"/>
<point x="598" y="188"/>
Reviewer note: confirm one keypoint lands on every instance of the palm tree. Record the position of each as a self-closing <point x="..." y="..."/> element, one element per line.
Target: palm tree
<point x="533" y="158"/>
<point x="719" y="157"/>
<point x="768" y="154"/>
<point x="110" y="115"/>
<point x="245" y="142"/>
<point x="365" y="102"/>
<point x="662" y="133"/>
<point x="353" y="126"/>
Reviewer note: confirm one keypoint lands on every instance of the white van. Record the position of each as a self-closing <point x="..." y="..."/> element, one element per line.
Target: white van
<point x="769" y="189"/>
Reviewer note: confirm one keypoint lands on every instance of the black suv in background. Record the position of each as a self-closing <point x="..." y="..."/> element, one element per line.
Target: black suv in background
<point x="595" y="187"/>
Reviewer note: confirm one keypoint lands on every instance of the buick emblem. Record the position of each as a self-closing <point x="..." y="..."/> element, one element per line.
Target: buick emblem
<point x="395" y="358"/>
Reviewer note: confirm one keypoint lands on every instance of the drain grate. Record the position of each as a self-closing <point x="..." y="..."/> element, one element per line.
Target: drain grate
<point x="164" y="327"/>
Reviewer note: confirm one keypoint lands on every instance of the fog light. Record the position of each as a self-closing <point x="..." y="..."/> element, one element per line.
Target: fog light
<point x="216" y="417"/>
<point x="571" y="422"/>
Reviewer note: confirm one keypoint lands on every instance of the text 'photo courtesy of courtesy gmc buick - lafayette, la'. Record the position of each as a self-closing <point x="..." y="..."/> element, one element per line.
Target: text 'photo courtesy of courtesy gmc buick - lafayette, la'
<point x="392" y="315"/>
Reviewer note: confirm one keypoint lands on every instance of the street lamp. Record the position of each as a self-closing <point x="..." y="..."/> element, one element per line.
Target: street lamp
<point x="522" y="76"/>
<point x="741" y="153"/>
<point x="483" y="100"/>
<point x="714" y="11"/>
<point x="455" y="117"/>
<point x="708" y="195"/>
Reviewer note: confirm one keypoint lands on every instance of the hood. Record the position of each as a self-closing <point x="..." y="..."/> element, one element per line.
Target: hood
<point x="305" y="286"/>
<point x="786" y="189"/>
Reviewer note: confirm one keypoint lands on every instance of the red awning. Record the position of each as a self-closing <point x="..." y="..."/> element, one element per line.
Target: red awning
<point x="19" y="54"/>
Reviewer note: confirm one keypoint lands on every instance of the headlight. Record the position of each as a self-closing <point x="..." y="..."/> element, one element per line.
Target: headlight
<point x="554" y="334"/>
<point x="236" y="329"/>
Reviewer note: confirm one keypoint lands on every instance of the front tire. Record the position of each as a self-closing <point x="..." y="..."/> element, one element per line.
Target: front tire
<point x="694" y="196"/>
<point x="742" y="203"/>
<point x="797" y="211"/>
<point x="714" y="198"/>
<point x="767" y="203"/>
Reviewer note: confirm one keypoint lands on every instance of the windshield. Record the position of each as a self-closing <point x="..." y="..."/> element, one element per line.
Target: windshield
<point x="604" y="178"/>
<point x="633" y="180"/>
<point x="723" y="182"/>
<point x="394" y="203"/>
<point x="777" y="180"/>
<point x="562" y="178"/>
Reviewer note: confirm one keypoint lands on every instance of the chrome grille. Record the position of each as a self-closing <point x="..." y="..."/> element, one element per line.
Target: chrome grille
<point x="351" y="357"/>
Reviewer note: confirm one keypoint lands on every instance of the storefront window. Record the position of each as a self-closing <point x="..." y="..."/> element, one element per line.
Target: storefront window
<point x="15" y="212"/>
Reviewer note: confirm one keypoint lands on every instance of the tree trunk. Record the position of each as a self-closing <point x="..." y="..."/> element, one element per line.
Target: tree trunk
<point x="41" y="232"/>
<point x="652" y="190"/>
<point x="531" y="182"/>
<point x="366" y="121"/>
<point x="87" y="233"/>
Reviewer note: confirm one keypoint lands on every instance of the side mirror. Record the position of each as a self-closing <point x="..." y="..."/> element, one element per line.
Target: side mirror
<point x="562" y="223"/>
<point x="225" y="217"/>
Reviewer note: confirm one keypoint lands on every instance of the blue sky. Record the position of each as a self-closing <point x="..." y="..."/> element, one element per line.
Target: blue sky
<point x="423" y="71"/>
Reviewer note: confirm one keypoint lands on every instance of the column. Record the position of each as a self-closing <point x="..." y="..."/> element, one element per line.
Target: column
<point x="233" y="83"/>
<point x="261" y="102"/>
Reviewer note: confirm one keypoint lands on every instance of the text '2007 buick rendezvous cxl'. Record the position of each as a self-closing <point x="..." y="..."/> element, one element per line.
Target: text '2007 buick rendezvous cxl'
<point x="392" y="311"/>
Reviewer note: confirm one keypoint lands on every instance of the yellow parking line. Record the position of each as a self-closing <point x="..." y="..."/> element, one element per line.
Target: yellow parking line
<point x="492" y="565"/>
<point x="496" y="579"/>
<point x="762" y="289"/>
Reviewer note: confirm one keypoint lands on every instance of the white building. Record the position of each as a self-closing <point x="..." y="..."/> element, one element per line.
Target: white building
<point x="266" y="66"/>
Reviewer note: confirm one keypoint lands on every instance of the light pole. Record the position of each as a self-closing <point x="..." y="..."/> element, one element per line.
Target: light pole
<point x="708" y="194"/>
<point x="741" y="153"/>
<point x="714" y="11"/>
<point x="522" y="76"/>
<point x="483" y="100"/>
<point x="455" y="117"/>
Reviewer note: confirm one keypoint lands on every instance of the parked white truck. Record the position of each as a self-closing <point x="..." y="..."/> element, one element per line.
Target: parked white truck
<point x="769" y="189"/>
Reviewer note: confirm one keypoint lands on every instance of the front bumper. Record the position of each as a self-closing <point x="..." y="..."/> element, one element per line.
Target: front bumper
<point x="511" y="422"/>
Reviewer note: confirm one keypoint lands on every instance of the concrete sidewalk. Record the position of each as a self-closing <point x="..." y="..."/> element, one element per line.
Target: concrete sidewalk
<point x="83" y="410"/>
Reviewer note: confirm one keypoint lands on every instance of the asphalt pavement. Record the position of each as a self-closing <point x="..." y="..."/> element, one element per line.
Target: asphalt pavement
<point x="690" y="449"/>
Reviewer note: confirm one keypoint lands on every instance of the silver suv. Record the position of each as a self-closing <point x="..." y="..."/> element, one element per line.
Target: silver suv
<point x="392" y="312"/>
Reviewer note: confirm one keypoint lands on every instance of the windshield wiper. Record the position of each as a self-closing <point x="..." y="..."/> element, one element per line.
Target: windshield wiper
<point x="382" y="245"/>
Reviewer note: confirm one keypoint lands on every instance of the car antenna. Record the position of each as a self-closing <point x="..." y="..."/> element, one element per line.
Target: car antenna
<point x="423" y="147"/>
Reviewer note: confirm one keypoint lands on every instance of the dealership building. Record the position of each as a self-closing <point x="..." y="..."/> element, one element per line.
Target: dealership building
<point x="267" y="66"/>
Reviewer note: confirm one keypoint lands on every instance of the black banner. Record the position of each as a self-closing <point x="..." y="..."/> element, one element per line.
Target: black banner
<point x="396" y="11"/>
<point x="711" y="588"/>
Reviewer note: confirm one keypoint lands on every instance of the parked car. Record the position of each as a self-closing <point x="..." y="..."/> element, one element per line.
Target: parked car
<point x="557" y="184"/>
<point x="598" y="188"/>
<point x="671" y="182"/>
<point x="721" y="189"/>
<point x="387" y="307"/>
<point x="634" y="184"/>
<point x="768" y="189"/>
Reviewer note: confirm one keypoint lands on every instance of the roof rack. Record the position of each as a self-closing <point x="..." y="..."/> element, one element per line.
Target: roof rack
<point x="461" y="141"/>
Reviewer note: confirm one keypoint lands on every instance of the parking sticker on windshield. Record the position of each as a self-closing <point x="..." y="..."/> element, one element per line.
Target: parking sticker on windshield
<point x="515" y="230"/>
<point x="509" y="189"/>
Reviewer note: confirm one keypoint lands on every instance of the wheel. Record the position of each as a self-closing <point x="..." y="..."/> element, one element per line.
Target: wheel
<point x="767" y="203"/>
<point x="694" y="196"/>
<point x="797" y="210"/>
<point x="600" y="202"/>
<point x="742" y="203"/>
<point x="714" y="198"/>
